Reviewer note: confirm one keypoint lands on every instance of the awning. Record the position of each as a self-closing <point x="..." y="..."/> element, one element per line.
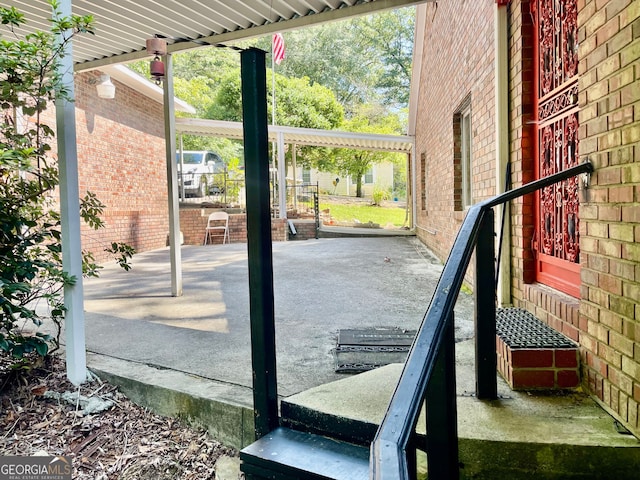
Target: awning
<point x="300" y="136"/>
<point x="123" y="26"/>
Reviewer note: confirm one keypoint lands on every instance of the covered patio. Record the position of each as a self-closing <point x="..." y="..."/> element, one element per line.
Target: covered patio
<point x="123" y="27"/>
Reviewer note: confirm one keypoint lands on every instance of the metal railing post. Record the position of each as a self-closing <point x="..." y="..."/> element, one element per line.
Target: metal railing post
<point x="485" y="310"/>
<point x="424" y="375"/>
<point x="316" y="209"/>
<point x="442" y="420"/>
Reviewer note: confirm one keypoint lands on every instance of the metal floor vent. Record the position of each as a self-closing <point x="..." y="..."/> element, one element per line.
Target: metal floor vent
<point x="360" y="350"/>
<point x="519" y="328"/>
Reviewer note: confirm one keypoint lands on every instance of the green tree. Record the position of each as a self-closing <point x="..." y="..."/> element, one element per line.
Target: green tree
<point x="387" y="39"/>
<point x="30" y="234"/>
<point x="330" y="55"/>
<point x="364" y="60"/>
<point x="299" y="103"/>
<point x="356" y="163"/>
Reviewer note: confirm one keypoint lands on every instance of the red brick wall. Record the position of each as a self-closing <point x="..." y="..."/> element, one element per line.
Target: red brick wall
<point x="305" y="230"/>
<point x="606" y="319"/>
<point x="457" y="61"/>
<point x="609" y="36"/>
<point x="193" y="222"/>
<point x="121" y="158"/>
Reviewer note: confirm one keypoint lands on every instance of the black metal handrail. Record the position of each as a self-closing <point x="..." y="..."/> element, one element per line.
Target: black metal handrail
<point x="429" y="371"/>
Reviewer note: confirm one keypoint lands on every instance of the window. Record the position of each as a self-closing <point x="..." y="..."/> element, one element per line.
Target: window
<point x="368" y="177"/>
<point x="306" y="175"/>
<point x="462" y="155"/>
<point x="465" y="160"/>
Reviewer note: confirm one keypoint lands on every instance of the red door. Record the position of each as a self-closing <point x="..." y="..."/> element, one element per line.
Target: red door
<point x="556" y="241"/>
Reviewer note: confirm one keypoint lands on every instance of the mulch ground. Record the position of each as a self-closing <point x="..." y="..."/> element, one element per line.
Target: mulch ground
<point x="42" y="414"/>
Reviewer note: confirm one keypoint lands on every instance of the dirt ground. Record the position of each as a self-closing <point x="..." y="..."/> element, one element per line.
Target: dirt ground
<point x="106" y="435"/>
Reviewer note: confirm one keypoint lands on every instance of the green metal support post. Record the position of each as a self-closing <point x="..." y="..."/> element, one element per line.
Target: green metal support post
<point x="485" y="310"/>
<point x="261" y="305"/>
<point x="441" y="412"/>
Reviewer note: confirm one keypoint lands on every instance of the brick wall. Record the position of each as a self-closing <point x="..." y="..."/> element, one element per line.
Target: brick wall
<point x="457" y="62"/>
<point x="609" y="36"/>
<point x="193" y="222"/>
<point x="305" y="230"/>
<point x="121" y="158"/>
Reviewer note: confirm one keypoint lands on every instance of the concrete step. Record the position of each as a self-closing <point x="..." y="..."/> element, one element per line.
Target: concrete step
<point x="339" y="232"/>
<point x="519" y="436"/>
<point x="294" y="455"/>
<point x="223" y="409"/>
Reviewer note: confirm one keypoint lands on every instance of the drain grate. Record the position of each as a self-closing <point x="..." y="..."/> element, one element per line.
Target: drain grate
<point x="359" y="350"/>
<point x="519" y="328"/>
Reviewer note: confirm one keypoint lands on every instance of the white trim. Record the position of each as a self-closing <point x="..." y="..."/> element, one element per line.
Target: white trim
<point x="416" y="66"/>
<point x="76" y="355"/>
<point x="501" y="49"/>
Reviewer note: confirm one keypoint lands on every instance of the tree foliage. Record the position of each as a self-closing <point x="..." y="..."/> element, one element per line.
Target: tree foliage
<point x="363" y="60"/>
<point x="31" y="274"/>
<point x="328" y="55"/>
<point x="356" y="163"/>
<point x="299" y="103"/>
<point x="388" y="37"/>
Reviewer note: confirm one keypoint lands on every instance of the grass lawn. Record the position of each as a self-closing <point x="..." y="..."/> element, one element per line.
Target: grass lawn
<point x="383" y="216"/>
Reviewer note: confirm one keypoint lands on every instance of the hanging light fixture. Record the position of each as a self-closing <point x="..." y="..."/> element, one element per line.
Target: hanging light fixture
<point x="105" y="88"/>
<point x="157" y="47"/>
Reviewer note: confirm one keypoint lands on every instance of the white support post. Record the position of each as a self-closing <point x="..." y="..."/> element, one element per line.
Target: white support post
<point x="282" y="178"/>
<point x="172" y="180"/>
<point x="76" y="356"/>
<point x="501" y="51"/>
<point x="295" y="177"/>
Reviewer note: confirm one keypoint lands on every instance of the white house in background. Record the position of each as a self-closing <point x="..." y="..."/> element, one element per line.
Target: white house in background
<point x="379" y="177"/>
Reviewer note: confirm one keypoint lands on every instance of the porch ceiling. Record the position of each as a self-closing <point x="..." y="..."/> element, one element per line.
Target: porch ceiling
<point x="123" y="26"/>
<point x="300" y="136"/>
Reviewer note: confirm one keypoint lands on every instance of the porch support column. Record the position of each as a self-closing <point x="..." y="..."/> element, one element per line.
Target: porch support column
<point x="502" y="220"/>
<point x="282" y="178"/>
<point x="175" y="253"/>
<point x="485" y="310"/>
<point x="294" y="175"/>
<point x="261" y="304"/>
<point x="76" y="357"/>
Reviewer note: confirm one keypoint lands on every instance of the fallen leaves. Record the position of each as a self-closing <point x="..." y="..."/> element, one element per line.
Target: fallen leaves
<point x="123" y="441"/>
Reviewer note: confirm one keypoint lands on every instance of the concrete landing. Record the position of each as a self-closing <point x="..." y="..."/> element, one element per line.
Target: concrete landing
<point x="518" y="436"/>
<point x="362" y="232"/>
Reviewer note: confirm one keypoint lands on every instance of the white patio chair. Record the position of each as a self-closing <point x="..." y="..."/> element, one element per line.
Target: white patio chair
<point x="217" y="222"/>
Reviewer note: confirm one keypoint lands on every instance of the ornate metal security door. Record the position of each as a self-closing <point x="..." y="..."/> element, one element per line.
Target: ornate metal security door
<point x="556" y="67"/>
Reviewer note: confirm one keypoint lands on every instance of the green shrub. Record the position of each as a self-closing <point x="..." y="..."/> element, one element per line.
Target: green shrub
<point x="379" y="195"/>
<point x="31" y="271"/>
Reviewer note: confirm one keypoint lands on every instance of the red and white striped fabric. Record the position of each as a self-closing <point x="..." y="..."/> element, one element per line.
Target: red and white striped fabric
<point x="278" y="48"/>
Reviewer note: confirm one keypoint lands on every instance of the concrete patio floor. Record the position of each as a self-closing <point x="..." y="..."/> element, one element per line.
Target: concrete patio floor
<point x="190" y="356"/>
<point x="320" y="286"/>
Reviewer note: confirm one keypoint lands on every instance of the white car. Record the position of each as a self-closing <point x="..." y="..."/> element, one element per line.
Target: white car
<point x="198" y="173"/>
